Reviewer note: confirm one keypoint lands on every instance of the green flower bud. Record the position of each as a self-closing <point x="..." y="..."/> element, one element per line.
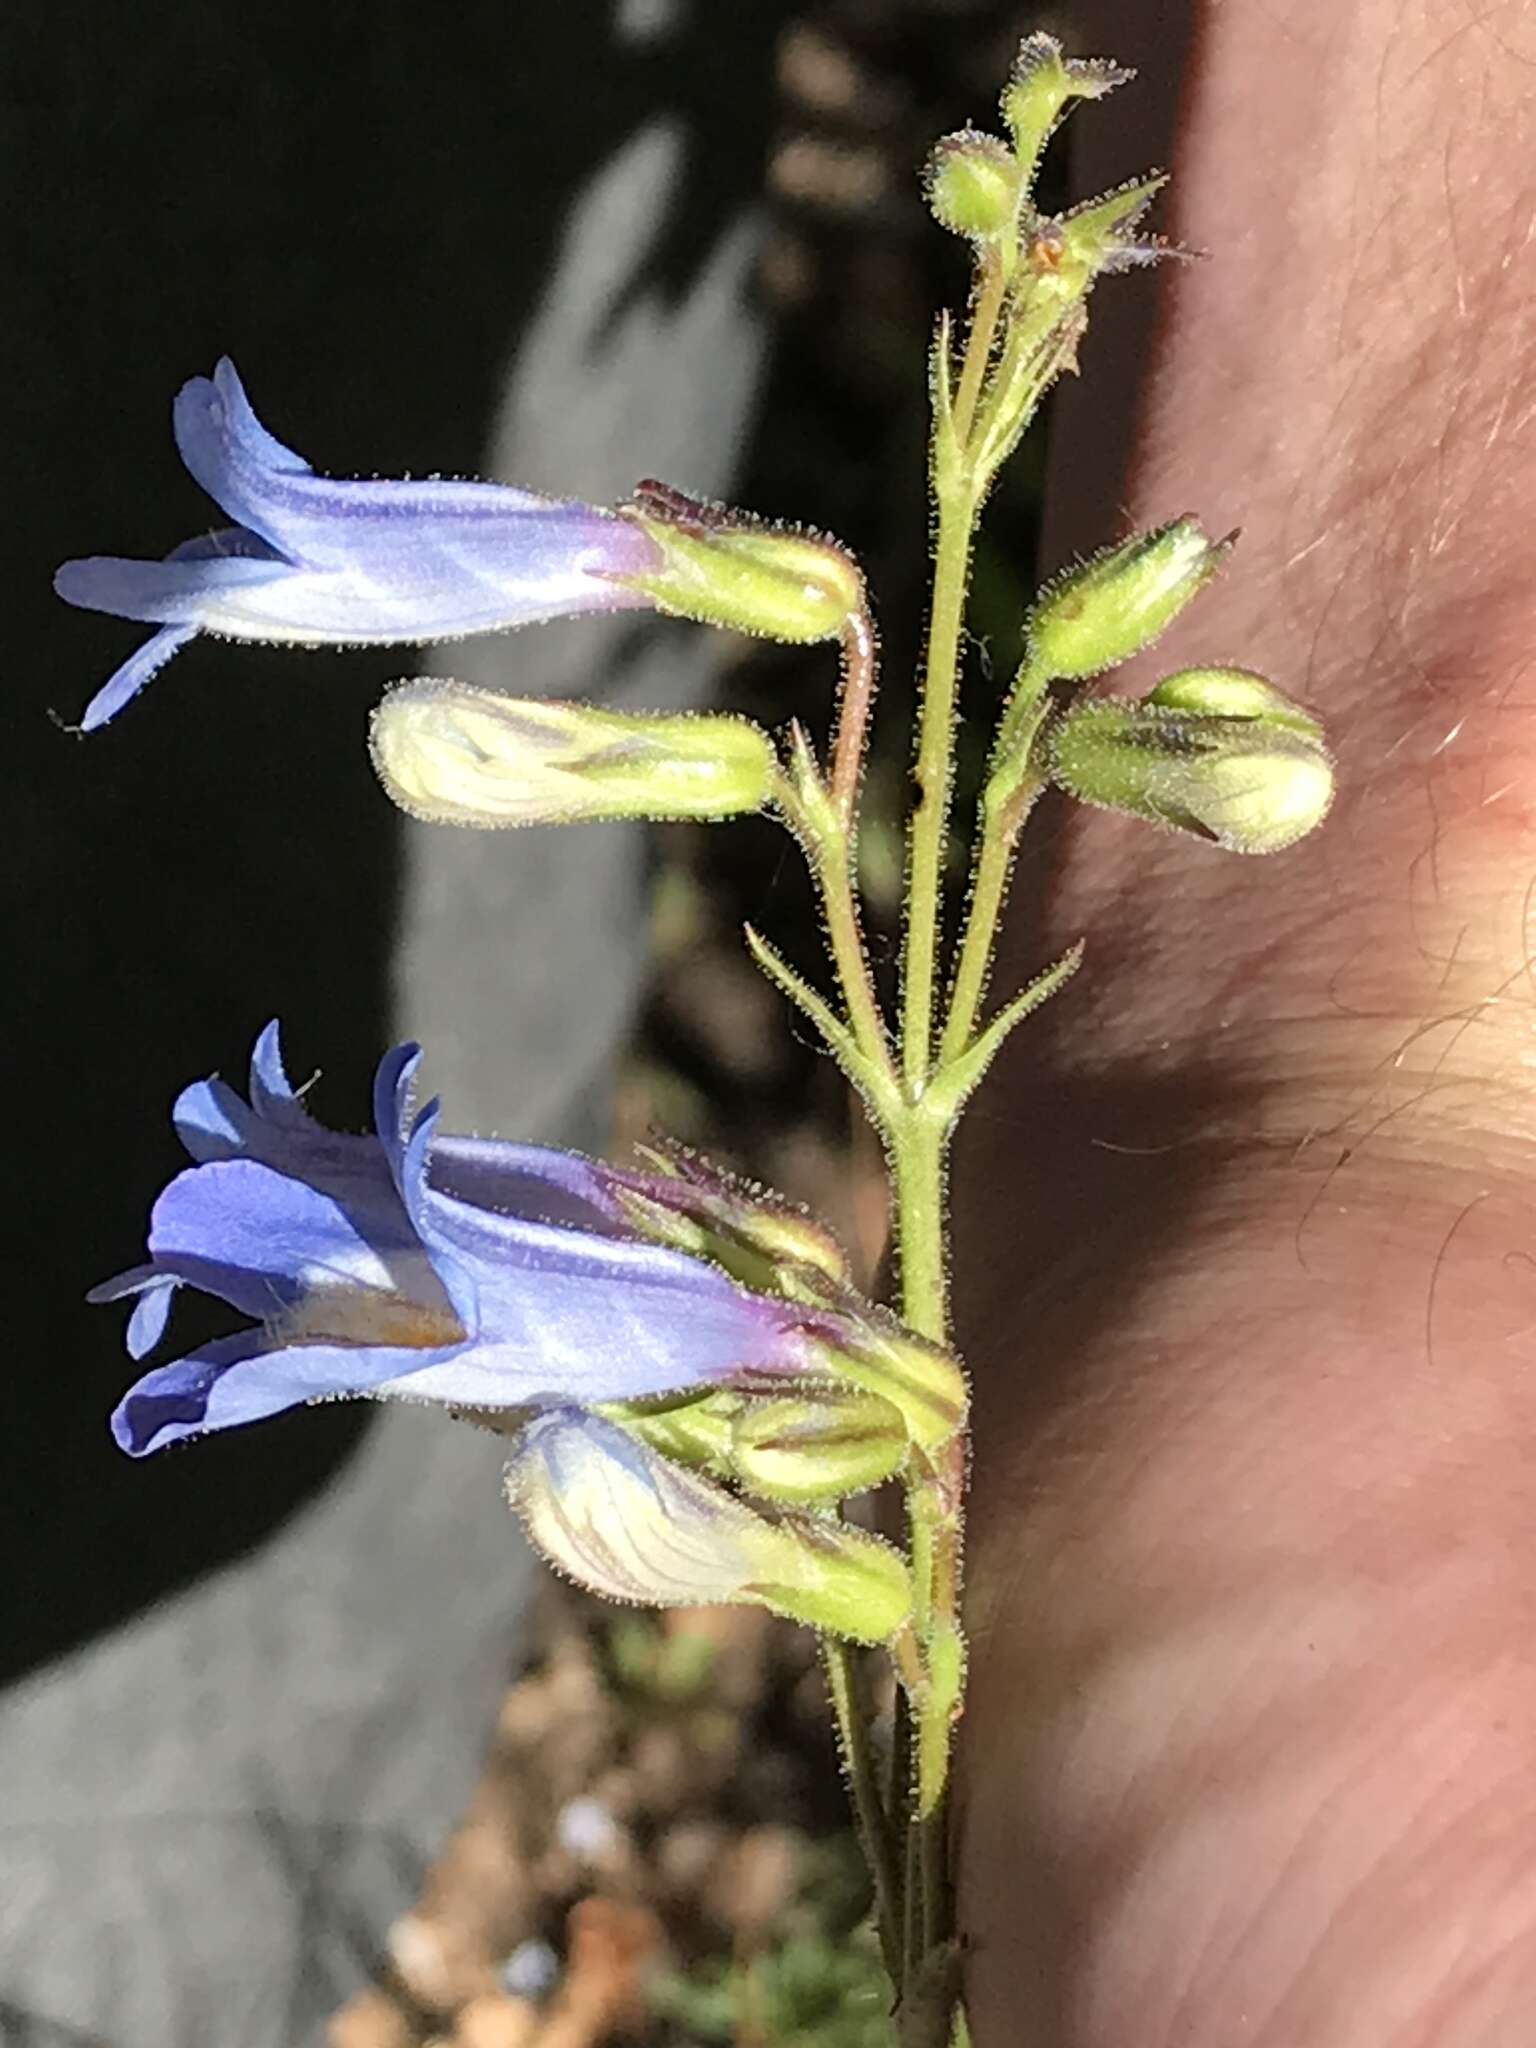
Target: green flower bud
<point x="757" y="1237"/>
<point x="1233" y="693"/>
<point x="972" y="184"/>
<point x="689" y="1430"/>
<point x="726" y="569"/>
<point x="457" y="755"/>
<point x="1112" y="607"/>
<point x="922" y="1381"/>
<point x="833" y="1578"/>
<point x="817" y="1447"/>
<point x="1043" y="85"/>
<point x="1251" y="787"/>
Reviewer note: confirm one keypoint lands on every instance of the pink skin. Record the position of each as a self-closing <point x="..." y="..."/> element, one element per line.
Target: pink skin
<point x="1251" y="1754"/>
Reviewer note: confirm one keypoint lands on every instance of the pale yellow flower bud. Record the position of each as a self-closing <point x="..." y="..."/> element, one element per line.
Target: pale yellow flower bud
<point x="457" y="755"/>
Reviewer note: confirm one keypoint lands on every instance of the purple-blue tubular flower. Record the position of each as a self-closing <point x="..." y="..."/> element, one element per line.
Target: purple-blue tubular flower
<point x="317" y="560"/>
<point x="467" y="1273"/>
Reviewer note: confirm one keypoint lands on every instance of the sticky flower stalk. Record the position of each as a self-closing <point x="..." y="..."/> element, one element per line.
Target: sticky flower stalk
<point x="1006" y="802"/>
<point x="875" y="1830"/>
<point x="984" y="318"/>
<point x="812" y="815"/>
<point x="958" y="494"/>
<point x="1001" y="825"/>
<point x="861" y="674"/>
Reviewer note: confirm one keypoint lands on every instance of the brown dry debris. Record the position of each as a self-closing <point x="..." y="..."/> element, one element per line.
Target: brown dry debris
<point x="651" y="1793"/>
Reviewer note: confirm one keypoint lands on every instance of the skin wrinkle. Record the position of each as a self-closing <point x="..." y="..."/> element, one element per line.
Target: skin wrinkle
<point x="1310" y="1825"/>
<point x="1319" y="1803"/>
<point x="1254" y="1681"/>
<point x="1196" y="1663"/>
<point x="1317" y="1982"/>
<point x="1426" y="1951"/>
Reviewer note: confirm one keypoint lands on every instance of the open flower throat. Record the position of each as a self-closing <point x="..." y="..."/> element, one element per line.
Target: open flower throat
<point x="367" y="1315"/>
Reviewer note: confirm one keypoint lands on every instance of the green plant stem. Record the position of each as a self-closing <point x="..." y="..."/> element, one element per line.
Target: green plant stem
<point x="958" y="495"/>
<point x="861" y="671"/>
<point x="916" y="1142"/>
<point x="1042" y="341"/>
<point x="829" y="853"/>
<point x="834" y="873"/>
<point x="917" y="1166"/>
<point x="984" y="318"/>
<point x="874" y="1822"/>
<point x="934" y="775"/>
<point x="1000" y="825"/>
<point x="934" y="1520"/>
<point x="915" y="1904"/>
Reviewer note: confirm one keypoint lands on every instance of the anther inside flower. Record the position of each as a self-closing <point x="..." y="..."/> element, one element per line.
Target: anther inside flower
<point x="320" y="560"/>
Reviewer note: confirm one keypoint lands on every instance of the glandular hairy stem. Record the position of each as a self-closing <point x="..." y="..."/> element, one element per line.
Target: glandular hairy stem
<point x="934" y="775"/>
<point x="1001" y="821"/>
<point x="1027" y="312"/>
<point x="861" y="668"/>
<point x="875" y="1830"/>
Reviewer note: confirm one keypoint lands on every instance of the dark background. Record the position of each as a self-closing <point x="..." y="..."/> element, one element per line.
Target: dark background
<point x="360" y="203"/>
<point x="232" y="1737"/>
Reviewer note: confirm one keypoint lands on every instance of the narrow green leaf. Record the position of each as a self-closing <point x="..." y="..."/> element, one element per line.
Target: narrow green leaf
<point x="839" y="1039"/>
<point x="955" y="1081"/>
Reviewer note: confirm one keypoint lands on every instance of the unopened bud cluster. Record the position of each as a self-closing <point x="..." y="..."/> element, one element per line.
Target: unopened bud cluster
<point x="728" y="1489"/>
<point x="869" y="1393"/>
<point x="1216" y="752"/>
<point x="980" y="186"/>
<point x="1034" y="270"/>
<point x="872" y="1390"/>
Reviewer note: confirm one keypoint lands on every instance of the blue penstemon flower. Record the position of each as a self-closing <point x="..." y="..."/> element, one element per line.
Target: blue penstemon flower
<point x="317" y="561"/>
<point x="320" y="560"/>
<point x="504" y="1281"/>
